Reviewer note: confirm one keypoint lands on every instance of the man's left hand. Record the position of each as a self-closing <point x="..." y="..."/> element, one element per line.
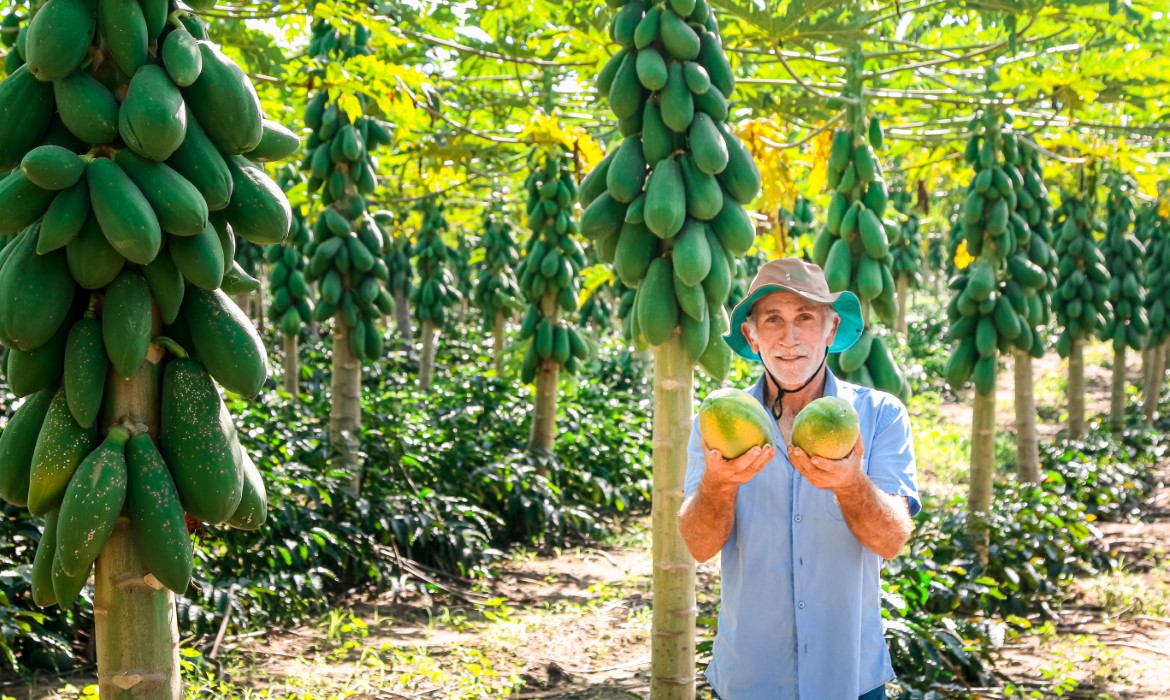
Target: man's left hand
<point x="830" y="474"/>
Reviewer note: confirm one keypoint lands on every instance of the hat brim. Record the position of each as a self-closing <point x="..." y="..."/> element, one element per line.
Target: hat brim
<point x="844" y="303"/>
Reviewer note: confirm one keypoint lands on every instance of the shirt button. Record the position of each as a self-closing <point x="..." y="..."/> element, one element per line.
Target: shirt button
<point x="797" y="518"/>
<point x="800" y="605"/>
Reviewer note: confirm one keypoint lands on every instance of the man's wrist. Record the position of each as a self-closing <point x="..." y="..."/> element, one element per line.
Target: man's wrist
<point x="853" y="488"/>
<point x="718" y="489"/>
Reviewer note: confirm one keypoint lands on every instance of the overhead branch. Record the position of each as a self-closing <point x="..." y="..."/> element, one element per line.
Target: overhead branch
<point x="809" y="88"/>
<point x="488" y="54"/>
<point x="1051" y="154"/>
<point x="821" y="129"/>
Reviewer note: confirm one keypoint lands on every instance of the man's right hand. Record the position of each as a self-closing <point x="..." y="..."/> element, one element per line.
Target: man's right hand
<point x="724" y="474"/>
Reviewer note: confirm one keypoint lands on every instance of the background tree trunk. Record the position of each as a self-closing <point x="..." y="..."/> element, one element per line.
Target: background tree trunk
<point x="261" y="305"/>
<point x="544" y="415"/>
<point x="402" y="321"/>
<point x="1076" y="390"/>
<point x="673" y="626"/>
<point x="1153" y="390"/>
<point x="498" y="329"/>
<point x="982" y="470"/>
<point x="1027" y="449"/>
<point x="902" y="284"/>
<point x="137" y="633"/>
<point x="292" y="366"/>
<point x="426" y="368"/>
<point x="345" y="412"/>
<point x="1117" y="395"/>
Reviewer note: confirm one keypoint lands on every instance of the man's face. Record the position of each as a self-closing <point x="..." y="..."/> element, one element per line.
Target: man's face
<point x="791" y="334"/>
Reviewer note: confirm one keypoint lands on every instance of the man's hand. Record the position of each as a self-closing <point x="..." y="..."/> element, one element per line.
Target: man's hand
<point x="831" y="474"/>
<point x="723" y="474"/>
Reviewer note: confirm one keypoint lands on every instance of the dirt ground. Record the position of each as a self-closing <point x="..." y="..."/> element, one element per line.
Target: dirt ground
<point x="576" y="625"/>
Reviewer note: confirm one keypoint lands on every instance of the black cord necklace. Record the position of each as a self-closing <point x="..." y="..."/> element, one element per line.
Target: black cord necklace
<point x="777" y="407"/>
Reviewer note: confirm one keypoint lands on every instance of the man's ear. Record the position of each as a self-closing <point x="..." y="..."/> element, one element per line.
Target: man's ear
<point x="748" y="332"/>
<point x="834" y="322"/>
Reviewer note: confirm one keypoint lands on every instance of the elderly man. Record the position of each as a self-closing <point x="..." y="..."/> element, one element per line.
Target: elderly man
<point x="802" y="538"/>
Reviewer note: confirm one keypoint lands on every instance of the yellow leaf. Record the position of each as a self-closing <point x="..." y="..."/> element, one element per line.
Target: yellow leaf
<point x="962" y="257"/>
<point x="819" y="176"/>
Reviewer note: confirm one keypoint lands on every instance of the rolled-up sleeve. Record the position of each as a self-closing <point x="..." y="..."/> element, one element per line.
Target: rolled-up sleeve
<point x="695" y="464"/>
<point x="891" y="454"/>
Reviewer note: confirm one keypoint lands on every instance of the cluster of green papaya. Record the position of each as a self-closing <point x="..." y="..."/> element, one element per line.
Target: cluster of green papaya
<point x="802" y="219"/>
<point x="597" y="309"/>
<point x="11" y="30"/>
<point x="549" y="273"/>
<point x="997" y="303"/>
<point x="345" y="255"/>
<point x="853" y="248"/>
<point x="496" y="291"/>
<point x="397" y="256"/>
<point x="907" y="253"/>
<point x="436" y="291"/>
<point x="1155" y="229"/>
<point x="1082" y="290"/>
<point x="126" y="208"/>
<point x="1125" y="261"/>
<point x="666" y="206"/>
<point x="291" y="305"/>
<point x="1036" y="209"/>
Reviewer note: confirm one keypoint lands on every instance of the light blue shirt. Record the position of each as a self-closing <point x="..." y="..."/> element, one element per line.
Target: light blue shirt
<point x="800" y="615"/>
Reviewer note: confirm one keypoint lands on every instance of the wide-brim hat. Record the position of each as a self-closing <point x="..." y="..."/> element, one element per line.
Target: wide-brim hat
<point x="807" y="280"/>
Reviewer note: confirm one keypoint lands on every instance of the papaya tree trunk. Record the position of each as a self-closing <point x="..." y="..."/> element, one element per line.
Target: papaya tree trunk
<point x="901" y="284"/>
<point x="402" y="321"/>
<point x="292" y="367"/>
<point x="1076" y="390"/>
<point x="136" y="625"/>
<point x="498" y="329"/>
<point x="544" y="416"/>
<point x="345" y="412"/>
<point x="673" y="626"/>
<point x="1027" y="448"/>
<point x="1147" y="369"/>
<point x="261" y="305"/>
<point x="426" y="368"/>
<point x="1156" y="379"/>
<point x="982" y="470"/>
<point x="1117" y="394"/>
<point x="245" y="303"/>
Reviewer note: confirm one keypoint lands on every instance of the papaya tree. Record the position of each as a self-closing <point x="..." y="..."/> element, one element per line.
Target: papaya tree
<point x="666" y="207"/>
<point x="115" y="309"/>
<point x="462" y="273"/>
<point x="1124" y="258"/>
<point x="549" y="278"/>
<point x="495" y="290"/>
<point x="853" y="248"/>
<point x="1035" y="207"/>
<point x="401" y="275"/>
<point x="436" y="291"/>
<point x="1156" y="230"/>
<point x="988" y="313"/>
<point x="291" y="304"/>
<point x="597" y="311"/>
<point x="1082" y="291"/>
<point x="345" y="252"/>
<point x="907" y="256"/>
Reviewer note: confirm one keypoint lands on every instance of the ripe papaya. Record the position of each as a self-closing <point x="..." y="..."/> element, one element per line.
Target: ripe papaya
<point x="126" y="217"/>
<point x="61" y="446"/>
<point x="199" y="443"/>
<point x="225" y="103"/>
<point x="827" y="427"/>
<point x="17" y="444"/>
<point x="226" y="341"/>
<point x="733" y="422"/>
<point x="152" y="120"/>
<point x="92" y="503"/>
